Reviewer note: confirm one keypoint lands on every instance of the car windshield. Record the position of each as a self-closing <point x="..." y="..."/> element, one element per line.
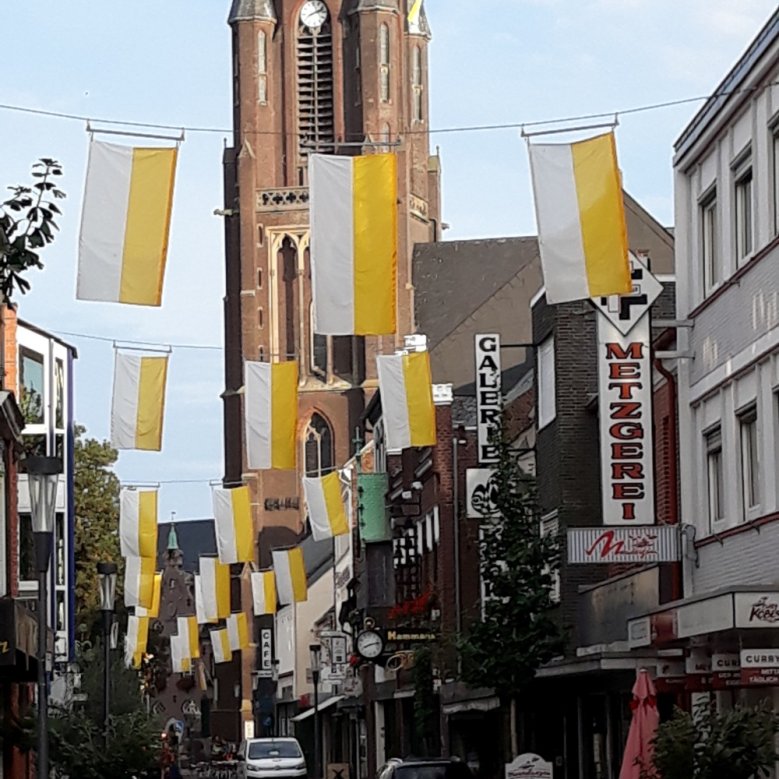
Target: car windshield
<point x="433" y="771"/>
<point x="261" y="749"/>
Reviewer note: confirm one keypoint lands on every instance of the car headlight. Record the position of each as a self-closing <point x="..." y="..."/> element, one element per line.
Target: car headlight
<point x="301" y="764"/>
<point x="252" y="767"/>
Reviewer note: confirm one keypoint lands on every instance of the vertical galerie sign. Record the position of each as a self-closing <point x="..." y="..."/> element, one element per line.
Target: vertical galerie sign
<point x="625" y="398"/>
<point x="489" y="402"/>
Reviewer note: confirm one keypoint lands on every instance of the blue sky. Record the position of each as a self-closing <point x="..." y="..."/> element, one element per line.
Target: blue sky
<point x="169" y="62"/>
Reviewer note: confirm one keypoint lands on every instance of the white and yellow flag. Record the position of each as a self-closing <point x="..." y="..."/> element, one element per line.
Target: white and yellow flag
<point x="220" y="643"/>
<point x="414" y="11"/>
<point x="136" y="640"/>
<point x="406" y="390"/>
<point x="264" y="592"/>
<point x="139" y="574"/>
<point x="290" y="570"/>
<point x="138" y="522"/>
<point x="200" y="604"/>
<point x="138" y="401"/>
<point x="188" y="627"/>
<point x="233" y="522"/>
<point x="125" y="223"/>
<point x="354" y="235"/>
<point x="154" y="610"/>
<point x="181" y="662"/>
<point x="215" y="587"/>
<point x="270" y="414"/>
<point x="580" y="216"/>
<point x="326" y="510"/>
<point x="238" y="632"/>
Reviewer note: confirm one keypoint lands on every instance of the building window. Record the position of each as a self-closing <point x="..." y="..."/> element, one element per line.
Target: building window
<point x="319" y="353"/>
<point x="715" y="484"/>
<point x="3" y="531"/>
<point x="775" y="175"/>
<point x="546" y="383"/>
<point x="262" y="68"/>
<point x="550" y="526"/>
<point x="32" y="386"/>
<point x="416" y="84"/>
<point x="59" y="381"/>
<point x="27" y="571"/>
<point x="710" y="253"/>
<point x="750" y="459"/>
<point x="319" y="455"/>
<point x="384" y="63"/>
<point x="742" y="223"/>
<point x="357" y="76"/>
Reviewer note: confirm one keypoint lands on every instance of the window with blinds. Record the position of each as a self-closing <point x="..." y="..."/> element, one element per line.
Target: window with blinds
<point x="315" y="89"/>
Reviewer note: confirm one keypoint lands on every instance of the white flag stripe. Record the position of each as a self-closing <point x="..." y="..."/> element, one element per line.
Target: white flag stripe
<point x="124" y="409"/>
<point x="394" y="401"/>
<point x="257" y="413"/>
<point x="200" y="610"/>
<point x="317" y="509"/>
<point x="179" y="653"/>
<point x="104" y="220"/>
<point x="332" y="272"/>
<point x="226" y="541"/>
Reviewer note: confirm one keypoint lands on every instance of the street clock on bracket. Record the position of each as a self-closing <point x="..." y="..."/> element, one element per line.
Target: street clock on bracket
<point x="370" y="644"/>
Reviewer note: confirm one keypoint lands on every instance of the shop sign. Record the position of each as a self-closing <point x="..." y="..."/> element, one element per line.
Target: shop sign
<point x="652" y="544"/>
<point x="757" y="609"/>
<point x="480" y="490"/>
<point x="529" y="766"/>
<point x="489" y="400"/>
<point x="759" y="667"/>
<point x="671" y="675"/>
<point x="653" y="630"/>
<point x="411" y="635"/>
<point x="625" y="406"/>
<point x="711" y="615"/>
<point x="726" y="670"/>
<point x="266" y="649"/>
<point x="698" y="668"/>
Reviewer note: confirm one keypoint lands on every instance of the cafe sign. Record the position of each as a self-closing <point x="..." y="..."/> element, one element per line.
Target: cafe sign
<point x="759" y="667"/>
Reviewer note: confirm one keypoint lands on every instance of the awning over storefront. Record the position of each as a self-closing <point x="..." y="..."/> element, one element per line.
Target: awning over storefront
<point x="480" y="704"/>
<point x="750" y="608"/>
<point x="324" y="705"/>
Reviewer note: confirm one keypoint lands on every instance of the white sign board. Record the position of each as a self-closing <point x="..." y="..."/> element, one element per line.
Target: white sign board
<point x="652" y="544"/>
<point x="489" y="401"/>
<point x="480" y="491"/>
<point x="529" y="766"/>
<point x="757" y="609"/>
<point x="625" y="404"/>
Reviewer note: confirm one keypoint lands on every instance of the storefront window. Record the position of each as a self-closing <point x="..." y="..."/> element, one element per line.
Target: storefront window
<point x="31" y="384"/>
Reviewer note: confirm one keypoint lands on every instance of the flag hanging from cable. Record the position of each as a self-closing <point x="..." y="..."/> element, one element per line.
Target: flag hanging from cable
<point x="138" y="522"/>
<point x="154" y="610"/>
<point x="290" y="570"/>
<point x="220" y="643"/>
<point x="200" y="604"/>
<point x="180" y="661"/>
<point x="414" y="11"/>
<point x="238" y="632"/>
<point x="233" y="523"/>
<point x="270" y="414"/>
<point x="215" y="587"/>
<point x="580" y="215"/>
<point x="139" y="573"/>
<point x="406" y="389"/>
<point x="136" y="640"/>
<point x="125" y="223"/>
<point x="326" y="511"/>
<point x="188" y="627"/>
<point x="264" y="592"/>
<point x="354" y="235"/>
<point x="138" y="401"/>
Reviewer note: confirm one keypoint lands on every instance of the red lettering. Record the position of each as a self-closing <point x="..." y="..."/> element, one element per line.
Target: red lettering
<point x="625" y="370"/>
<point x="627" y="491"/>
<point x="607" y="545"/>
<point x="626" y="410"/>
<point x="628" y="511"/>
<point x="627" y="471"/>
<point x="617" y="352"/>
<point x="626" y="388"/>
<point x="626" y="431"/>
<point x="627" y="451"/>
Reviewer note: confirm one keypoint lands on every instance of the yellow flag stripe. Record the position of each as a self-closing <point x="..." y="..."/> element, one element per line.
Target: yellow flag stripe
<point x="151" y="403"/>
<point x="269" y="587"/>
<point x="284" y="410"/>
<point x="222" y="575"/>
<point x="375" y="193"/>
<point x="147" y="523"/>
<point x="154" y="611"/>
<point x="297" y="574"/>
<point x="148" y="225"/>
<point x="602" y="215"/>
<point x="414" y="12"/>
<point x="336" y="514"/>
<point x="142" y="637"/>
<point x="146" y="575"/>
<point x="419" y="398"/>
<point x="242" y="520"/>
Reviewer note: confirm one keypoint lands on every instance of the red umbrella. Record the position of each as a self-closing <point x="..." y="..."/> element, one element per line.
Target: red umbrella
<point x="643" y="726"/>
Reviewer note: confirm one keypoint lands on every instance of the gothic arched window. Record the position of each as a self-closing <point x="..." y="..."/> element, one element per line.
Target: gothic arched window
<point x="262" y="67"/>
<point x="416" y="84"/>
<point x="384" y="63"/>
<point x="318" y="447"/>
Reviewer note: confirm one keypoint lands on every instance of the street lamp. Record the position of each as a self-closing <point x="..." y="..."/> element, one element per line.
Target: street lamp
<point x="316" y="667"/>
<point x="106" y="574"/>
<point x="42" y="478"/>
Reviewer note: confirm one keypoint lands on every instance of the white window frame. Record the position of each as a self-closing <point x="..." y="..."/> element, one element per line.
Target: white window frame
<point x="744" y="209"/>
<point x="547" y="403"/>
<point x="714" y="476"/>
<point x="775" y="175"/>
<point x="711" y="255"/>
<point x="550" y="526"/>
<point x="749" y="450"/>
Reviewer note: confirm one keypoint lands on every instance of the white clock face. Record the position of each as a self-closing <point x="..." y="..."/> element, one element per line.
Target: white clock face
<point x="313" y="14"/>
<point x="370" y="644"/>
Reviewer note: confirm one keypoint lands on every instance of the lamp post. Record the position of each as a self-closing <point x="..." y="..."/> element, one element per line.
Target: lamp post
<point x="106" y="574"/>
<point x="316" y="667"/>
<point x="43" y="476"/>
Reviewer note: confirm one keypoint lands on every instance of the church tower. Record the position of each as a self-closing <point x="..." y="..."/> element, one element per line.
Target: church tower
<point x="330" y="76"/>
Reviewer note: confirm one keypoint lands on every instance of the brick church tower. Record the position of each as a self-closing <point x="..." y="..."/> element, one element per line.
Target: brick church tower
<point x="332" y="76"/>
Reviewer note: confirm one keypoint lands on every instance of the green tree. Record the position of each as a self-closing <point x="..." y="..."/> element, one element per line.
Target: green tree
<point x="518" y="632"/>
<point x="27" y="223"/>
<point x="97" y="519"/>
<point x="711" y="744"/>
